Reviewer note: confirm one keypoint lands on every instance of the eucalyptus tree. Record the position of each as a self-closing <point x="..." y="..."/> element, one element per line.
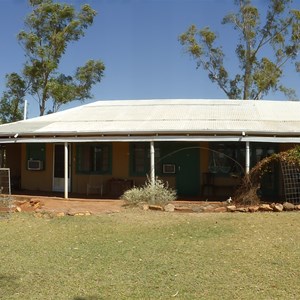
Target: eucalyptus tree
<point x="12" y="98"/>
<point x="48" y="30"/>
<point x="265" y="44"/>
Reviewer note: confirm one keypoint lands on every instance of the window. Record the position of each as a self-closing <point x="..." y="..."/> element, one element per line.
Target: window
<point x="139" y="162"/>
<point x="93" y="158"/>
<point x="260" y="151"/>
<point x="36" y="152"/>
<point x="227" y="159"/>
<point x="140" y="159"/>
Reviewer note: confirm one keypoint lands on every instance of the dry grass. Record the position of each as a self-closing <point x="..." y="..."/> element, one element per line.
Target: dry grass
<point x="151" y="255"/>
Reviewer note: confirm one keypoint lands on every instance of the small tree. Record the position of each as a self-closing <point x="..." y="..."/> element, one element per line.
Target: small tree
<point x="49" y="29"/>
<point x="260" y="71"/>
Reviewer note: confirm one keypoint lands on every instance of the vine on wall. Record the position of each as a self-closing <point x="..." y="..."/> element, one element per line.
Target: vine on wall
<point x="247" y="193"/>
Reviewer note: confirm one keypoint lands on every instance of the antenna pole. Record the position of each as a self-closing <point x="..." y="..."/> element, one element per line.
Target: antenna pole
<point x="25" y="110"/>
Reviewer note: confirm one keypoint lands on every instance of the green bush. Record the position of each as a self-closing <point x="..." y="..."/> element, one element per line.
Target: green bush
<point x="157" y="193"/>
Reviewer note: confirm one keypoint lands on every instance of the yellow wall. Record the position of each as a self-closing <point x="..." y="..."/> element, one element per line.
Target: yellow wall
<point x="13" y="159"/>
<point x="120" y="167"/>
<point x="37" y="180"/>
<point x="120" y="170"/>
<point x="42" y="180"/>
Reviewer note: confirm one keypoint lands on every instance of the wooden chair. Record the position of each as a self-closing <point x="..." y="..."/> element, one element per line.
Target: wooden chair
<point x="208" y="184"/>
<point x="94" y="185"/>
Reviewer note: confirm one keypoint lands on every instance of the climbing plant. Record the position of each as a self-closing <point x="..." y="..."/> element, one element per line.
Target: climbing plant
<point x="247" y="194"/>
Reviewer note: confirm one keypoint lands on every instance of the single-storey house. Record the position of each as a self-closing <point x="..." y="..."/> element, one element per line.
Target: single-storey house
<point x="201" y="148"/>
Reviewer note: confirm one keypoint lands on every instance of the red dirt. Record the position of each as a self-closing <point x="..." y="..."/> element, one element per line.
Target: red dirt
<point x="68" y="206"/>
<point x="75" y="206"/>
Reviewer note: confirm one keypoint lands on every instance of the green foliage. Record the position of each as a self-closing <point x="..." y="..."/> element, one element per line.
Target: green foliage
<point x="259" y="72"/>
<point x="157" y="194"/>
<point x="12" y="99"/>
<point x="49" y="29"/>
<point x="291" y="156"/>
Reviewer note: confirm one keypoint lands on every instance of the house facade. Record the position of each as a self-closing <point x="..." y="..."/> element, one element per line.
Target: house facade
<point x="202" y="148"/>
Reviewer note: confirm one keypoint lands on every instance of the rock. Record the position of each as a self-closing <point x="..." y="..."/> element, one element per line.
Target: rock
<point x="278" y="207"/>
<point x="253" y="209"/>
<point x="34" y="202"/>
<point x="44" y="215"/>
<point x="220" y="209"/>
<point x="242" y="209"/>
<point x="297" y="207"/>
<point x="155" y="207"/>
<point x="197" y="209"/>
<point x="79" y="214"/>
<point x="21" y="202"/>
<point x="38" y="215"/>
<point x="288" y="206"/>
<point x="37" y="205"/>
<point x="265" y="207"/>
<point x="18" y="209"/>
<point x="169" y="207"/>
<point x="145" y="207"/>
<point x="60" y="214"/>
<point x="231" y="208"/>
<point x="183" y="209"/>
<point x="208" y="208"/>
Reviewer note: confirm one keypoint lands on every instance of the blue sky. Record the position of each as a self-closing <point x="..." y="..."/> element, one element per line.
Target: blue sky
<point x="138" y="42"/>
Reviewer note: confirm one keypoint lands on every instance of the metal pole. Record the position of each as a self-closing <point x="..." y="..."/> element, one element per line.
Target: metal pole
<point x="247" y="167"/>
<point x="66" y="189"/>
<point x="25" y="110"/>
<point x="152" y="162"/>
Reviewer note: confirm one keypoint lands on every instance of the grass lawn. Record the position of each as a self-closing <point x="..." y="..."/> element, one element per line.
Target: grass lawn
<point x="151" y="255"/>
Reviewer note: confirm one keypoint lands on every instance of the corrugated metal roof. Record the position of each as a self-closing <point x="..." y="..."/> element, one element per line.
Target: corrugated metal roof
<point x="182" y="116"/>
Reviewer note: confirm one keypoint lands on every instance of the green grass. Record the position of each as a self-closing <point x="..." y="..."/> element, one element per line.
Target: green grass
<point x="151" y="255"/>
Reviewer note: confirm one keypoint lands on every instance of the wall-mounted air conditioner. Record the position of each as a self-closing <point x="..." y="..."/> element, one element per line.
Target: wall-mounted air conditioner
<point x="169" y="169"/>
<point x="34" y="165"/>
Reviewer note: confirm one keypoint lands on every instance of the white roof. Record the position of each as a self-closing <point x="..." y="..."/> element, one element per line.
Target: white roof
<point x="196" y="117"/>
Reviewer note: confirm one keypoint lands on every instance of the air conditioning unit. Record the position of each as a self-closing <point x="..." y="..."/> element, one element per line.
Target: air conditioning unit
<point x="34" y="165"/>
<point x="169" y="169"/>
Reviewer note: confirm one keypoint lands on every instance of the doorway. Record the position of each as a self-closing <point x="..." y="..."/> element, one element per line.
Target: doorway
<point x="186" y="158"/>
<point x="187" y="173"/>
<point x="58" y="168"/>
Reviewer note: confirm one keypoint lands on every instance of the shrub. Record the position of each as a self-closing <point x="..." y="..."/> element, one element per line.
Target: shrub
<point x="157" y="193"/>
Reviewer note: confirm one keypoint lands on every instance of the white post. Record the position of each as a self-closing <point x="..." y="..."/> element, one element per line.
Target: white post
<point x="66" y="168"/>
<point x="152" y="162"/>
<point x="247" y="158"/>
<point x="25" y="110"/>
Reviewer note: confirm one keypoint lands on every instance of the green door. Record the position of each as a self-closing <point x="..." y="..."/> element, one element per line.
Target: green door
<point x="186" y="158"/>
<point x="187" y="172"/>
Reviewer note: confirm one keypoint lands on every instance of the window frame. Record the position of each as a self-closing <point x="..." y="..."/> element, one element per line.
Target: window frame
<point x="90" y="155"/>
<point x="36" y="151"/>
<point x="232" y="164"/>
<point x="146" y="159"/>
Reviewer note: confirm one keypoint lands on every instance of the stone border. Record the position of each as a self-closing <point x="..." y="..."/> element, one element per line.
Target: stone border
<point x="36" y="206"/>
<point x="274" y="207"/>
<point x="222" y="207"/>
